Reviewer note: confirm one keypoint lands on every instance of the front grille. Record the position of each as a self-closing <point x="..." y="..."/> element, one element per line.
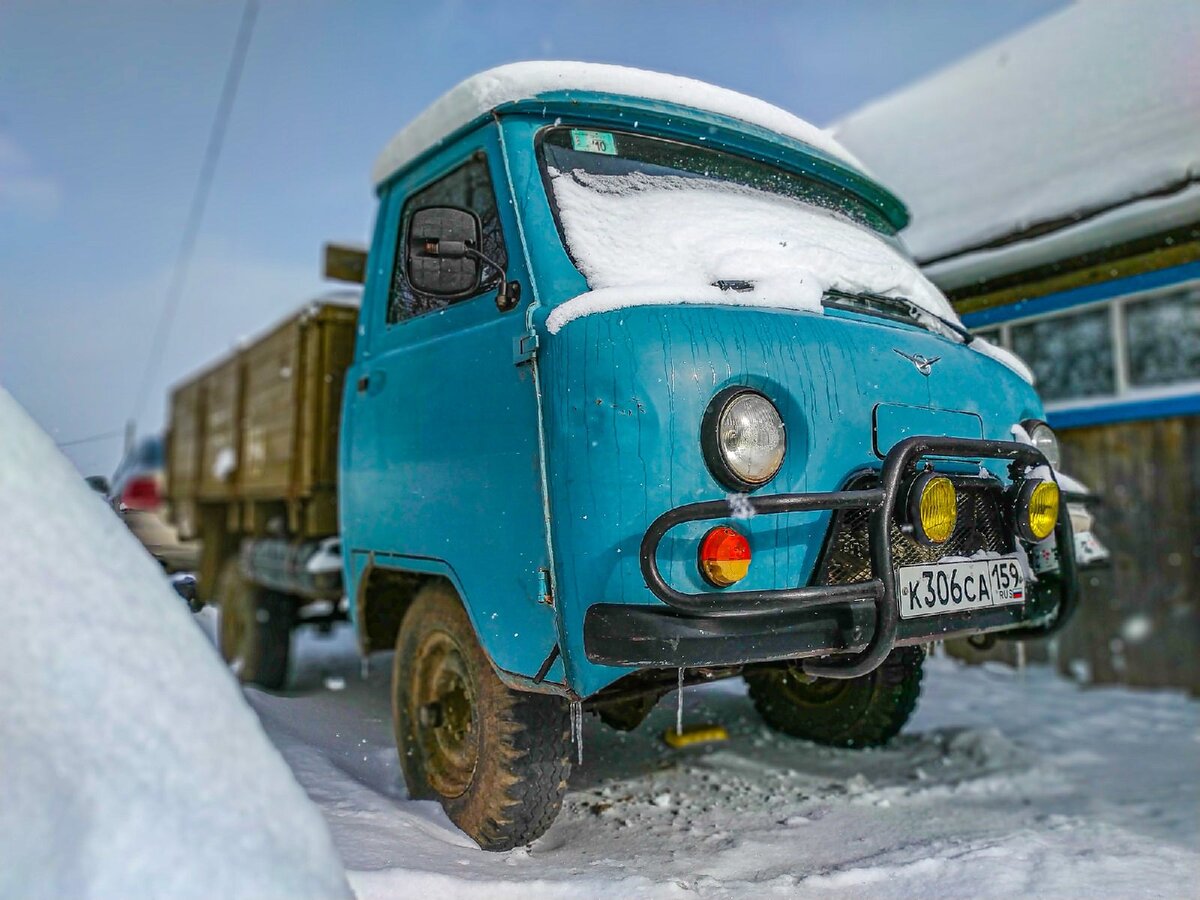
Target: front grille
<point x="982" y="525"/>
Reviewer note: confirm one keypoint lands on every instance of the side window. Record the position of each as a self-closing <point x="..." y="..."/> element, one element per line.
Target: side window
<point x="469" y="186"/>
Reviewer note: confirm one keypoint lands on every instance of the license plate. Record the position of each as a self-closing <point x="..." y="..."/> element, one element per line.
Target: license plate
<point x="950" y="587"/>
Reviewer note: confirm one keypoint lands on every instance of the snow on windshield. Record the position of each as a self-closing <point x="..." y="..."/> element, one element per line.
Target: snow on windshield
<point x="130" y="765"/>
<point x="641" y="237"/>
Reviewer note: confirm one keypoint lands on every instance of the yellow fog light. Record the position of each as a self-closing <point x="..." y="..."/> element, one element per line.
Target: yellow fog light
<point x="933" y="508"/>
<point x="1037" y="510"/>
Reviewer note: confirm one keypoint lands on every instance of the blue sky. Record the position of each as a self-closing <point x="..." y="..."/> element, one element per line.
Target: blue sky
<point x="105" y="109"/>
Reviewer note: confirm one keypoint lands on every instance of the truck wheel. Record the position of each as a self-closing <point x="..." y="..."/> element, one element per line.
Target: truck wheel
<point x="856" y="712"/>
<point x="255" y="632"/>
<point x="496" y="758"/>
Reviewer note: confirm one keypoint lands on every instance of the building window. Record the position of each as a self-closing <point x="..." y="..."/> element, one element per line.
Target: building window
<point x="1071" y="355"/>
<point x="1162" y="338"/>
<point x="1114" y="350"/>
<point x="993" y="335"/>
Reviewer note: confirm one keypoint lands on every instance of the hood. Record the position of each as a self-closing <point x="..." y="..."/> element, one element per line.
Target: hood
<point x="625" y="392"/>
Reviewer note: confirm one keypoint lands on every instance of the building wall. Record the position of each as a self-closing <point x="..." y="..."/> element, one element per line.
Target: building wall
<point x="1131" y="432"/>
<point x="1140" y="619"/>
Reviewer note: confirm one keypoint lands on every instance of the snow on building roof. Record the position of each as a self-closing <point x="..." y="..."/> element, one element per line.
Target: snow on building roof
<point x="130" y="764"/>
<point x="484" y="92"/>
<point x="1053" y="130"/>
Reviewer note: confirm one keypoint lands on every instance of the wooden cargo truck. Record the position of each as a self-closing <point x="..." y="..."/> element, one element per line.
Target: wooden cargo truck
<point x="252" y="452"/>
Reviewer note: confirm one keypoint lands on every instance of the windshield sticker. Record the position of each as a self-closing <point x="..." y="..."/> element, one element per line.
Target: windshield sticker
<point x="593" y="141"/>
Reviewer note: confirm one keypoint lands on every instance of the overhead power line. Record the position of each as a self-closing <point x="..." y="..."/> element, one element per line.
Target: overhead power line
<point x="91" y="439"/>
<point x="191" y="230"/>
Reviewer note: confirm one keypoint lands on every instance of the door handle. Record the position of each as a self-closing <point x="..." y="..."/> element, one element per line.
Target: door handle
<point x="371" y="383"/>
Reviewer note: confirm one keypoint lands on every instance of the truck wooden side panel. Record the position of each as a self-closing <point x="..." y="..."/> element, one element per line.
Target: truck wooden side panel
<point x="252" y="441"/>
<point x="272" y="380"/>
<point x="219" y="426"/>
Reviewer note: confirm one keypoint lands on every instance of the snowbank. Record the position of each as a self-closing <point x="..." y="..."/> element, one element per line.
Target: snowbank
<point x="528" y="80"/>
<point x="130" y="765"/>
<point x="1092" y="107"/>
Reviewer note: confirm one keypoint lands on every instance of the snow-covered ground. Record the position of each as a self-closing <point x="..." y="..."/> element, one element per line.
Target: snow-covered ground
<point x="1004" y="784"/>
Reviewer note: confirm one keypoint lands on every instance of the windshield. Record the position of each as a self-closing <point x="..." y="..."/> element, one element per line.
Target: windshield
<point x="642" y="212"/>
<point x="620" y="153"/>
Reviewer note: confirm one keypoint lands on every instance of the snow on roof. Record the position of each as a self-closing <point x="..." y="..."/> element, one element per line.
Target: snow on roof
<point x="482" y="93"/>
<point x="1091" y="108"/>
<point x="130" y="764"/>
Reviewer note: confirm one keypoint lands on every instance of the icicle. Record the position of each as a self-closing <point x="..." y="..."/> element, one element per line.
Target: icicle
<point x="577" y="729"/>
<point x="679" y="704"/>
<point x="364" y="668"/>
<point x="1021" y="660"/>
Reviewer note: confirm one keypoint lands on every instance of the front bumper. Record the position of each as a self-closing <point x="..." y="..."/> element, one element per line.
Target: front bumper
<point x="858" y="621"/>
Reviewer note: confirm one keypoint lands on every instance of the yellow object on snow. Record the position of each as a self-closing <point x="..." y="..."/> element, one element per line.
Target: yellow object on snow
<point x="695" y="734"/>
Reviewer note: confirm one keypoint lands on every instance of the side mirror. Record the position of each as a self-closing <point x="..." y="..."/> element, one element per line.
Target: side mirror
<point x="441" y="250"/>
<point x="98" y="483"/>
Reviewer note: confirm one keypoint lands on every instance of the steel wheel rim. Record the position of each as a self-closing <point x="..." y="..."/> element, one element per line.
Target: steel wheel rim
<point x="817" y="692"/>
<point x="444" y="714"/>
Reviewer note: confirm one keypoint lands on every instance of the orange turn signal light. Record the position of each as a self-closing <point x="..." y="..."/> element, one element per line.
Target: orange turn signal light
<point x="724" y="556"/>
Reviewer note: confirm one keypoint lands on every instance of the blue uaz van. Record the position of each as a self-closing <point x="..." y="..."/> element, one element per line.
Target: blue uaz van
<point x="647" y="392"/>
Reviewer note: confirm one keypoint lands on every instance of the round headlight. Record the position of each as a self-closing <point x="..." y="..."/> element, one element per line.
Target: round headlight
<point x="743" y="440"/>
<point x="1043" y="437"/>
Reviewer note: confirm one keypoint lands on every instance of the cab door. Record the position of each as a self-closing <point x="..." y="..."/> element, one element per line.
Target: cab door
<point x="440" y="457"/>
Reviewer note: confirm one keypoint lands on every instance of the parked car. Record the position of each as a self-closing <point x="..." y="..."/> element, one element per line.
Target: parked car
<point x="643" y="391"/>
<point x="136" y="493"/>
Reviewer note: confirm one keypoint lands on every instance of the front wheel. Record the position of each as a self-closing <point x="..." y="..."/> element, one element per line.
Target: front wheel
<point x="855" y="712"/>
<point x="496" y="759"/>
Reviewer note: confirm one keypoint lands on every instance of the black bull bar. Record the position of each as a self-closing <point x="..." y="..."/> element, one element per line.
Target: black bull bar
<point x="880" y="589"/>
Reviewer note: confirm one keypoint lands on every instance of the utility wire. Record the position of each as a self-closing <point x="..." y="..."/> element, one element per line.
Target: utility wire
<point x="91" y="439"/>
<point x="191" y="230"/>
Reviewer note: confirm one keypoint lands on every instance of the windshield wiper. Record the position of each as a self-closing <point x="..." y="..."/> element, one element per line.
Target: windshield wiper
<point x="899" y="308"/>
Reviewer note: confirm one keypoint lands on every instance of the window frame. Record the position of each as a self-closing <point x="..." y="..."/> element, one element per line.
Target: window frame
<point x="1124" y="391"/>
<point x="407" y="207"/>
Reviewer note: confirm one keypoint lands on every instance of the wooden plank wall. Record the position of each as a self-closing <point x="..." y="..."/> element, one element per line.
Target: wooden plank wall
<point x="1140" y="623"/>
<point x="1139" y="620"/>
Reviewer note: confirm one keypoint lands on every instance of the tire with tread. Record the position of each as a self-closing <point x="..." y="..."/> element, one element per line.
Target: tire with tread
<point x="858" y="712"/>
<point x="503" y="778"/>
<point x="255" y="629"/>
